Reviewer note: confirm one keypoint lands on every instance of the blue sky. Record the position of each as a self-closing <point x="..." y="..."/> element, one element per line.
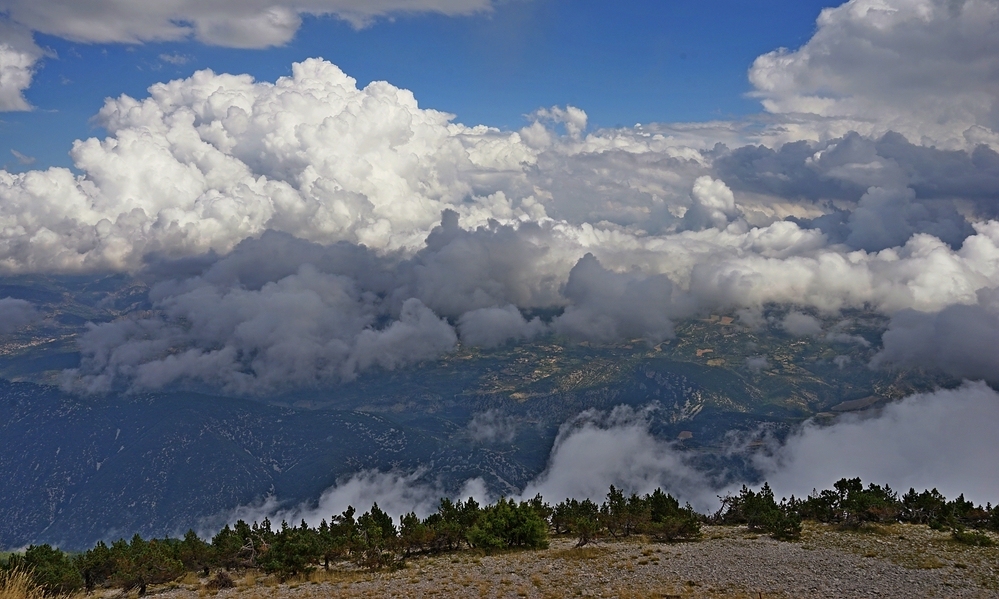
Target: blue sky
<point x="640" y="61"/>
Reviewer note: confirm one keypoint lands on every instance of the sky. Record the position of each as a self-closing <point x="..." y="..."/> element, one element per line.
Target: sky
<point x="635" y="62"/>
<point x="363" y="185"/>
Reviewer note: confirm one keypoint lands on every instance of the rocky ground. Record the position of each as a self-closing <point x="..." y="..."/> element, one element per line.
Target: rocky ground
<point x="886" y="561"/>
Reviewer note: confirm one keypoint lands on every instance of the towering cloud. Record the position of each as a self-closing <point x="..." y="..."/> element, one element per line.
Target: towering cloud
<point x="208" y="161"/>
<point x="923" y="68"/>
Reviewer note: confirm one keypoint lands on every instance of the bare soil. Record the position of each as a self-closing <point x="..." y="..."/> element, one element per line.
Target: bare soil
<point x="882" y="561"/>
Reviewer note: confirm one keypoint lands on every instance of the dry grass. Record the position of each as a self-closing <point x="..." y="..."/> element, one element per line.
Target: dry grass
<point x="17" y="584"/>
<point x="580" y="553"/>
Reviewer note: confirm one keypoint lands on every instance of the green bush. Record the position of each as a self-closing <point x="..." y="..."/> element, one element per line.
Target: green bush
<point x="976" y="538"/>
<point x="667" y="521"/>
<point x="760" y="511"/>
<point x="507" y="524"/>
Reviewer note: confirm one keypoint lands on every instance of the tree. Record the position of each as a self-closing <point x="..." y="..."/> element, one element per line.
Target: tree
<point x="927" y="507"/>
<point x="194" y="553"/>
<point x="668" y="521"/>
<point x="858" y="505"/>
<point x="292" y="551"/>
<point x="414" y="534"/>
<point x="507" y="524"/>
<point x="760" y="511"/>
<point x="613" y="512"/>
<point x="377" y="538"/>
<point x="451" y="523"/>
<point x="581" y="518"/>
<point x="96" y="565"/>
<point x="140" y="563"/>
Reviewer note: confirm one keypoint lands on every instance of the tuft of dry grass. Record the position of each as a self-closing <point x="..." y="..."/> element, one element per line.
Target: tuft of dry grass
<point x="580" y="553"/>
<point x="17" y="584"/>
<point x="336" y="576"/>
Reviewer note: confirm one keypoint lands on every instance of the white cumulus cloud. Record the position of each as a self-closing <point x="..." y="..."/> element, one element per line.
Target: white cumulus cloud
<point x="924" y="68"/>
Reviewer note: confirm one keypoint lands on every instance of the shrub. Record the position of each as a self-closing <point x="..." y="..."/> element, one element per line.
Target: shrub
<point x="507" y="524"/>
<point x="759" y="511"/>
<point x="675" y="529"/>
<point x="976" y="538"/>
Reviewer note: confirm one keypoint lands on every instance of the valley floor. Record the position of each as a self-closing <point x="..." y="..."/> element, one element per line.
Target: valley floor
<point x="887" y="561"/>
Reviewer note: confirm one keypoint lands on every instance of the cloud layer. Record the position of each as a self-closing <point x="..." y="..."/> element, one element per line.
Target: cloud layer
<point x="256" y="208"/>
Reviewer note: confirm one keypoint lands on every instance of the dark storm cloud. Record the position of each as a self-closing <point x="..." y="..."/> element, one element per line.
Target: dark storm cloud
<point x="283" y="312"/>
<point x="608" y="305"/>
<point x="959" y="340"/>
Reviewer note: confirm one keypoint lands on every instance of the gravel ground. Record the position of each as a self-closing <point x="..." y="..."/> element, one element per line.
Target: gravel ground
<point x="888" y="561"/>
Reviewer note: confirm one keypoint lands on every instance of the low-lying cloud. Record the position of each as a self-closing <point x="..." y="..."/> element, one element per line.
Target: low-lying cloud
<point x="491" y="427"/>
<point x="941" y="440"/>
<point x="280" y="312"/>
<point x="598" y="449"/>
<point x="16" y="313"/>
<point x="396" y="493"/>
